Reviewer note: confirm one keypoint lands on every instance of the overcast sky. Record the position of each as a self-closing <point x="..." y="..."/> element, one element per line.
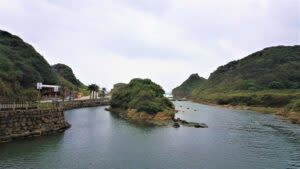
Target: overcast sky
<point x="111" y="41"/>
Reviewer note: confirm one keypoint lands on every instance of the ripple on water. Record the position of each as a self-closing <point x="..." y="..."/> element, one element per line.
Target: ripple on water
<point x="97" y="139"/>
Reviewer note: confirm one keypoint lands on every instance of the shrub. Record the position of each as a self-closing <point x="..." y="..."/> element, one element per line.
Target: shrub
<point x="276" y="85"/>
<point x="294" y="105"/>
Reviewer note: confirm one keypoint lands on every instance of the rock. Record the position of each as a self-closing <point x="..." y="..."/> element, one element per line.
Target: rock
<point x="184" y="122"/>
<point x="188" y="124"/>
<point x="200" y="125"/>
<point x="176" y="125"/>
<point x="159" y="118"/>
<point x="176" y="120"/>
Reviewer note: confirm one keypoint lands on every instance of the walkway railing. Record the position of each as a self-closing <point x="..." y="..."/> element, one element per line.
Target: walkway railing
<point x="52" y="105"/>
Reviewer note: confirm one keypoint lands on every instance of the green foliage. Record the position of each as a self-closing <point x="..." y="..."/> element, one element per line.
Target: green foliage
<point x="272" y="68"/>
<point x="93" y="89"/>
<point x="261" y="98"/>
<point x="67" y="73"/>
<point x="294" y="106"/>
<point x="28" y="95"/>
<point x="188" y="86"/>
<point x="19" y="62"/>
<point x="269" y="78"/>
<point x="21" y="67"/>
<point x="142" y="95"/>
<point x="117" y="87"/>
<point x="65" y="83"/>
<point x="255" y="99"/>
<point x="247" y="85"/>
<point x="276" y="85"/>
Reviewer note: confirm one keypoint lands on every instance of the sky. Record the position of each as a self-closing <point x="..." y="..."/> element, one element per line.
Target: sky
<point x="111" y="41"/>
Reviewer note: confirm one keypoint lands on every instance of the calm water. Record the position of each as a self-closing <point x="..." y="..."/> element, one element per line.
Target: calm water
<point x="234" y="140"/>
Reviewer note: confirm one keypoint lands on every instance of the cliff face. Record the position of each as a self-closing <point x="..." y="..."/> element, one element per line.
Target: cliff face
<point x="30" y="123"/>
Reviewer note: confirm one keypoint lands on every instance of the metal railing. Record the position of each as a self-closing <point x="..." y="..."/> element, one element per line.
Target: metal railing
<point x="49" y="105"/>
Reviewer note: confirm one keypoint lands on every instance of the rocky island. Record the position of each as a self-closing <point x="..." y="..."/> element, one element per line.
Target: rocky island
<point x="142" y="101"/>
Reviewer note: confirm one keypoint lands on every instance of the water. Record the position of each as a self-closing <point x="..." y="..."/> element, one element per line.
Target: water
<point x="234" y="140"/>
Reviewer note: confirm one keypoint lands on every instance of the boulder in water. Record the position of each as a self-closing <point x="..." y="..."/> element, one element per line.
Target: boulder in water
<point x="176" y="125"/>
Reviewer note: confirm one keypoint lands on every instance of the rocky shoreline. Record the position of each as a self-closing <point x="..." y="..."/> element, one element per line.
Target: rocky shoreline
<point x="178" y="122"/>
<point x="292" y="117"/>
<point x="160" y="118"/>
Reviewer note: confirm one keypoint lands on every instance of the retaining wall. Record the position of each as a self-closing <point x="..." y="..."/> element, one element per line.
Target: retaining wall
<point x="31" y="123"/>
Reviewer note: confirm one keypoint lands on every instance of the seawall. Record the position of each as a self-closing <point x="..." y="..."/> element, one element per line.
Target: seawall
<point x="84" y="103"/>
<point x="31" y="123"/>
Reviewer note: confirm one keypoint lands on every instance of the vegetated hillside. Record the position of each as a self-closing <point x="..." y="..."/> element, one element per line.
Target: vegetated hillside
<point x="270" y="77"/>
<point x="271" y="68"/>
<point x="142" y="95"/>
<point x="21" y="67"/>
<point x="185" y="89"/>
<point x="267" y="78"/>
<point x="67" y="73"/>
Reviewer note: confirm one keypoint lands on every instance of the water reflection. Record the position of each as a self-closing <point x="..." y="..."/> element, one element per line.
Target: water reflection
<point x="100" y="139"/>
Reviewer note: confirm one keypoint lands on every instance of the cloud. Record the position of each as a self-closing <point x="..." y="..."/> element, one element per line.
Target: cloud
<point x="109" y="41"/>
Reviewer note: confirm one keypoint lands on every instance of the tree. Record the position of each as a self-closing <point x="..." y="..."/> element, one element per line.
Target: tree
<point x="93" y="89"/>
<point x="96" y="90"/>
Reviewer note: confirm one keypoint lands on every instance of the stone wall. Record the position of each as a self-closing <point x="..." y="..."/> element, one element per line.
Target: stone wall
<point x="84" y="103"/>
<point x="31" y="123"/>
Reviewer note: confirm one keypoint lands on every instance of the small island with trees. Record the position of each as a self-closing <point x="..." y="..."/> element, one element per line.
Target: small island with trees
<point x="143" y="101"/>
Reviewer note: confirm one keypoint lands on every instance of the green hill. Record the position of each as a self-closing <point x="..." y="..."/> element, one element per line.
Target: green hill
<point x="21" y="67"/>
<point x="271" y="68"/>
<point x="267" y="78"/>
<point x="275" y="68"/>
<point x="67" y="73"/>
<point x="185" y="89"/>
